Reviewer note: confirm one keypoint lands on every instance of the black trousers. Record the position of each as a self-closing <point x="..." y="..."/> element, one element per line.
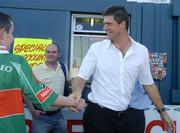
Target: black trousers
<point x="100" y="119"/>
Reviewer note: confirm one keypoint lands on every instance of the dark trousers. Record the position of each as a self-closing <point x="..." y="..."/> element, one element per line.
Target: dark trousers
<point x="99" y="119"/>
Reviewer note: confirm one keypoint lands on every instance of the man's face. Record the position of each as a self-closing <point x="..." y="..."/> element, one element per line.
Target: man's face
<point x="7" y="37"/>
<point x="52" y="54"/>
<point x="112" y="28"/>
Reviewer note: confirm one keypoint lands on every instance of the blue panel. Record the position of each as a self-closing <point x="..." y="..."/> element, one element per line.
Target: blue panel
<point x="43" y="24"/>
<point x="176" y="53"/>
<point x="165" y="46"/>
<point x="66" y="5"/>
<point x="176" y="11"/>
<point x="148" y="23"/>
<point x="156" y="21"/>
<point x="135" y="22"/>
<point x="176" y="91"/>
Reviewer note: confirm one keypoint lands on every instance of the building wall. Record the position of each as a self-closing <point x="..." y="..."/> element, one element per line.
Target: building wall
<point x="156" y="26"/>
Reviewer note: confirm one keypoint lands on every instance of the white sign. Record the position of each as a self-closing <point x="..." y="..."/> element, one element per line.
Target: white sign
<point x="153" y="120"/>
<point x="151" y="1"/>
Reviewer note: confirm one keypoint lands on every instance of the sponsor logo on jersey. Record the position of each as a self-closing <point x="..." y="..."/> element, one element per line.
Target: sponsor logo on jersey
<point x="43" y="94"/>
<point x="5" y="68"/>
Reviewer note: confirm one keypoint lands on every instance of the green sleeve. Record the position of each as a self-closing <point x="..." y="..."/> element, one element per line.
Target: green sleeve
<point x="40" y="95"/>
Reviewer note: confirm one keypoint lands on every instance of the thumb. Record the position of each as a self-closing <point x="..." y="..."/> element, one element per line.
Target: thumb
<point x="78" y="97"/>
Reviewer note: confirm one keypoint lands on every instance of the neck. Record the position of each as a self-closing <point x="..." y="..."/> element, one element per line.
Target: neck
<point x="3" y="47"/>
<point x="52" y="65"/>
<point x="122" y="43"/>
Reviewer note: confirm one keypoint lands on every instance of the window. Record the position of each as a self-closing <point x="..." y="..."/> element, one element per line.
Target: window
<point x="86" y="29"/>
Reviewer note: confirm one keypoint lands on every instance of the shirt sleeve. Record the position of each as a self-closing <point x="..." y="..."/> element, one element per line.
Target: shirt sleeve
<point x="88" y="65"/>
<point x="145" y="77"/>
<point x="40" y="95"/>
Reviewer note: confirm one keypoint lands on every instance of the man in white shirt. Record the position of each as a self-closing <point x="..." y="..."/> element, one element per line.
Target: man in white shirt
<point x="116" y="64"/>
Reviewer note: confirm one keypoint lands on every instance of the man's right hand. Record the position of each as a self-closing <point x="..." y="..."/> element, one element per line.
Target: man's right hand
<point x="77" y="96"/>
<point x="37" y="113"/>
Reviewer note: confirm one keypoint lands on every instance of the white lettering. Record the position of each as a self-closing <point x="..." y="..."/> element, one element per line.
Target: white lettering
<point x="45" y="92"/>
<point x="5" y="68"/>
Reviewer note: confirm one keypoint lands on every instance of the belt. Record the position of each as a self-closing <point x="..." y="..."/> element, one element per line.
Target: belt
<point x="49" y="112"/>
<point x="52" y="112"/>
<point x="113" y="112"/>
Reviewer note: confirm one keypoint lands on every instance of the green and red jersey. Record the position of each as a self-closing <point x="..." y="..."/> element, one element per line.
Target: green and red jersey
<point x="16" y="79"/>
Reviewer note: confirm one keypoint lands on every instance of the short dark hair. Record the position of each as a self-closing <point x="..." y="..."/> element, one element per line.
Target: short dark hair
<point x="119" y="13"/>
<point x="5" y="22"/>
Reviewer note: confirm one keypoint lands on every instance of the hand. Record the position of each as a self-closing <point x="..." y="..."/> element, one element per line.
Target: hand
<point x="77" y="96"/>
<point x="80" y="106"/>
<point x="169" y="124"/>
<point x="37" y="113"/>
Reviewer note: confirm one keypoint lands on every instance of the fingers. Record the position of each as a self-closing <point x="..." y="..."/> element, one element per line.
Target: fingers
<point x="78" y="98"/>
<point x="37" y="113"/>
<point x="170" y="126"/>
<point x="76" y="95"/>
<point x="41" y="112"/>
<point x="73" y="109"/>
<point x="79" y="103"/>
<point x="79" y="106"/>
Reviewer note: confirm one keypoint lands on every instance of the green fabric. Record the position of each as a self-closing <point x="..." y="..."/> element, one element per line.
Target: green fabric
<point x="15" y="72"/>
<point x="13" y="124"/>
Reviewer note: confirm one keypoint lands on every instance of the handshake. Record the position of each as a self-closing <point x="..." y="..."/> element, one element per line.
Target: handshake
<point x="79" y="102"/>
<point x="73" y="101"/>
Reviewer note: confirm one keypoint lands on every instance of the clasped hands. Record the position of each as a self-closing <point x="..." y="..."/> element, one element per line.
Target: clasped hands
<point x="79" y="102"/>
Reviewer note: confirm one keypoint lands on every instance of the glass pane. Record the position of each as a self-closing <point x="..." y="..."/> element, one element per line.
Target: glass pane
<point x="89" y="24"/>
<point x="81" y="46"/>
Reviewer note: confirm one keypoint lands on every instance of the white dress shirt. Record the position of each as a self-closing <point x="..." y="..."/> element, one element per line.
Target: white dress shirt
<point x="114" y="76"/>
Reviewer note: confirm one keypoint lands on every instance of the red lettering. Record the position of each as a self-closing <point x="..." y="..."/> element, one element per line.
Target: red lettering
<point x="30" y="47"/>
<point x="156" y="123"/>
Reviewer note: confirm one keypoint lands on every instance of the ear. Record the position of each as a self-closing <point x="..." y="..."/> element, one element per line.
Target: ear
<point x="1" y="33"/>
<point x="123" y="24"/>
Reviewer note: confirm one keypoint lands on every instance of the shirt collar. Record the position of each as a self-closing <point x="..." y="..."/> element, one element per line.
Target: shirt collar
<point x="3" y="50"/>
<point x="110" y="44"/>
<point x="46" y="67"/>
<point x="130" y="50"/>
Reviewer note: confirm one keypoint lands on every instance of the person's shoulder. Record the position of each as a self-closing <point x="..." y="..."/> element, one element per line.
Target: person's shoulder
<point x="38" y="67"/>
<point x="101" y="44"/>
<point x="139" y="46"/>
<point x="16" y="57"/>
